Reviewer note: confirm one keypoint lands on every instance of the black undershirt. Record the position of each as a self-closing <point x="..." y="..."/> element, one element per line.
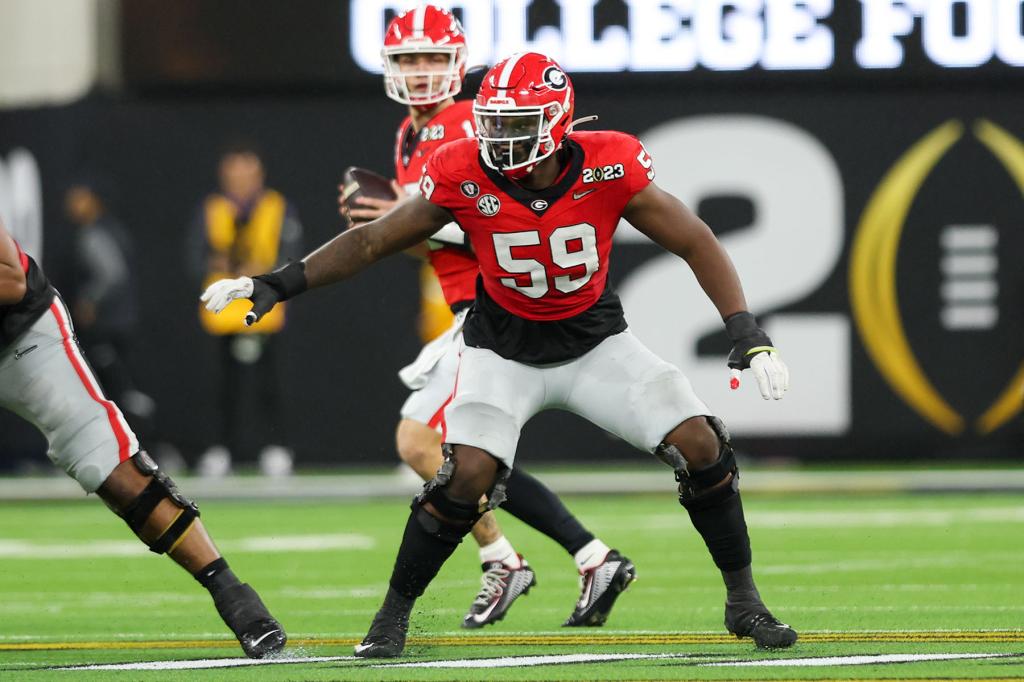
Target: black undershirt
<point x="536" y="342"/>
<point x="16" y="319"/>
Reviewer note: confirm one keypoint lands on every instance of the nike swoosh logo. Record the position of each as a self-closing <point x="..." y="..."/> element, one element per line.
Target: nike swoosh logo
<point x="481" y="617"/>
<point x="362" y="647"/>
<point x="257" y="642"/>
<point x="580" y="195"/>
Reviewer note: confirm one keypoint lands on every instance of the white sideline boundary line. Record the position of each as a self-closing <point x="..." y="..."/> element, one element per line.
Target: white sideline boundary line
<point x="553" y="659"/>
<point x="641" y="479"/>
<point x="699" y="661"/>
<point x="206" y="663"/>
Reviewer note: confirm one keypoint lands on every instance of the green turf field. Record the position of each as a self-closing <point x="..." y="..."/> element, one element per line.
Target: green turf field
<point x="879" y="587"/>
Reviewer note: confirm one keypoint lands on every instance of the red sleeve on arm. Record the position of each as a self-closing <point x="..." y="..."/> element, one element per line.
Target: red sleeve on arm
<point x="437" y="185"/>
<point x="641" y="166"/>
<point x="22" y="256"/>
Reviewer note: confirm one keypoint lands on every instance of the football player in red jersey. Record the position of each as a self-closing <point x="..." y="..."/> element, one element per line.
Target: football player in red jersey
<point x="424" y="64"/>
<point x="539" y="204"/>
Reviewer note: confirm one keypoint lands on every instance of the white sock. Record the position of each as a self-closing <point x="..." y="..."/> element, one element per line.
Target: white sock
<point x="592" y="555"/>
<point x="500" y="550"/>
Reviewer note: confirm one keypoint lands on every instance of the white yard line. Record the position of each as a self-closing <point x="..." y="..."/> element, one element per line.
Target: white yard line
<point x="554" y="659"/>
<point x="874" y="659"/>
<point x="527" y="661"/>
<point x="29" y="549"/>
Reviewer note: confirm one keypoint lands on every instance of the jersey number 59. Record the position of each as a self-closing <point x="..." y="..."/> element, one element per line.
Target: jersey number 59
<point x="583" y="253"/>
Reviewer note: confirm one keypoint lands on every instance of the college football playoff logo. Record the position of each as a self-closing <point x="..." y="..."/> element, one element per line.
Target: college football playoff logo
<point x="488" y="204"/>
<point x="469" y="188"/>
<point x="873" y="277"/>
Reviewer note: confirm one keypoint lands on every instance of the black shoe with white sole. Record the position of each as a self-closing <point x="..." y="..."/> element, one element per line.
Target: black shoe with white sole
<point x="500" y="586"/>
<point x="600" y="587"/>
<point x="257" y="631"/>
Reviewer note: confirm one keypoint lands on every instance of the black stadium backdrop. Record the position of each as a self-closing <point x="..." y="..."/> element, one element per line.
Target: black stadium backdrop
<point x="874" y="212"/>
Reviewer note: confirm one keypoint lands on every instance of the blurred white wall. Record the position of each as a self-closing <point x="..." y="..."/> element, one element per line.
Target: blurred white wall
<point x="48" y="51"/>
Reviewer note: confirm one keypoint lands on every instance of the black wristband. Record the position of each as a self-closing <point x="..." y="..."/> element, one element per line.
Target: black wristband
<point x="741" y="325"/>
<point x="288" y="281"/>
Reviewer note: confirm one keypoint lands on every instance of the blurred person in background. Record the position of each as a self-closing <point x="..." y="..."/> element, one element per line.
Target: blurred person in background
<point x="245" y="228"/>
<point x="424" y="65"/>
<point x="45" y="380"/>
<point x="103" y="295"/>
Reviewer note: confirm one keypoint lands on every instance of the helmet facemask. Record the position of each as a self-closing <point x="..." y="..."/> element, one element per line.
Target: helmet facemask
<point x="513" y="139"/>
<point x="441" y="83"/>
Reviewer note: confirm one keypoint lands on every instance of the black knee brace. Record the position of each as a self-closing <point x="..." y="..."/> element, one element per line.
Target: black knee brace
<point x="161" y="487"/>
<point x="695" y="487"/>
<point x="460" y="516"/>
<point x="716" y="513"/>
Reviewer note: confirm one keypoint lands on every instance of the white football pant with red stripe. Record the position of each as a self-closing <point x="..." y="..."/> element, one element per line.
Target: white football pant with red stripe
<point x="432" y="377"/>
<point x="45" y="380"/>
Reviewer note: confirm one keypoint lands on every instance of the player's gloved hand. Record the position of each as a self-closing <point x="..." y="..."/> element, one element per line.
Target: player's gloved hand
<point x="753" y="349"/>
<point x="265" y="291"/>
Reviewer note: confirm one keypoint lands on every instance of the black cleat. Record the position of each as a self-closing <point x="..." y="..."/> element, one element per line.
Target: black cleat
<point x="756" y="622"/>
<point x="500" y="586"/>
<point x="386" y="638"/>
<point x="243" y="611"/>
<point x="600" y="587"/>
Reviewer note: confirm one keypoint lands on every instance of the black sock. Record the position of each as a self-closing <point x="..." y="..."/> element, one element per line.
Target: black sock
<point x="421" y="556"/>
<point x="723" y="528"/>
<point x="398" y="605"/>
<point x="531" y="502"/>
<point x="216" y="576"/>
<point x="740" y="588"/>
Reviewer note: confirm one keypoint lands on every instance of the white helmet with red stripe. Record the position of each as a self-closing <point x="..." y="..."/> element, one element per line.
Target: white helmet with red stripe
<point x="427" y="29"/>
<point x="523" y="112"/>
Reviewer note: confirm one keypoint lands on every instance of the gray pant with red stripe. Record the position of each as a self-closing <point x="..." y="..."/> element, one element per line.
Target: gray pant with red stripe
<point x="45" y="380"/>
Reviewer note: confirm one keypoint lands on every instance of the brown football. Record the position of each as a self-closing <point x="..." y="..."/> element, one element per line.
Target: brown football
<point x="360" y="182"/>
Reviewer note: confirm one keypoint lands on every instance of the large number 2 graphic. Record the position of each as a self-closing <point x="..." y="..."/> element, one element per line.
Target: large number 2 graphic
<point x="586" y="255"/>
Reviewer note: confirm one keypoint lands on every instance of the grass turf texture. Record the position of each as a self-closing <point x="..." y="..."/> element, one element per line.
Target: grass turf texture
<point x="933" y="574"/>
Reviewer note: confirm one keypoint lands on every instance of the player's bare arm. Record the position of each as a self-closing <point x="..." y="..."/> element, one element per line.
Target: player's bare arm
<point x="669" y="222"/>
<point x="409" y="223"/>
<point x="672" y="225"/>
<point x="12" y="277"/>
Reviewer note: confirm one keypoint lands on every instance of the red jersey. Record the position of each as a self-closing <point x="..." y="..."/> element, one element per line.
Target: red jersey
<point x="543" y="254"/>
<point x="15" y="319"/>
<point x="456" y="267"/>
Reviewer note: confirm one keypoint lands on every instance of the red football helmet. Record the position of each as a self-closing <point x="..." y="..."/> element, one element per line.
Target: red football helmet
<point x="424" y="30"/>
<point x="522" y="112"/>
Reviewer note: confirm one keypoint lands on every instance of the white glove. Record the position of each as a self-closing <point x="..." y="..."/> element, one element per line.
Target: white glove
<point x="222" y="292"/>
<point x="771" y="373"/>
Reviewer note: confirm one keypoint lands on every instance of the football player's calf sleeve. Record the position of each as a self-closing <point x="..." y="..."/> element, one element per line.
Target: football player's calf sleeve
<point x="724" y="530"/>
<point x="216" y="576"/>
<point x="531" y="502"/>
<point x="422" y="554"/>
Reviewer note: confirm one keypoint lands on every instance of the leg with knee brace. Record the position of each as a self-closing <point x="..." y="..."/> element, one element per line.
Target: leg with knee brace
<point x="712" y="499"/>
<point x="436" y="526"/>
<point x="161" y="487"/>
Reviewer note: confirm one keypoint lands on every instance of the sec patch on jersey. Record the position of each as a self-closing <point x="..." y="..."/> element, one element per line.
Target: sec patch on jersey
<point x="360" y="182"/>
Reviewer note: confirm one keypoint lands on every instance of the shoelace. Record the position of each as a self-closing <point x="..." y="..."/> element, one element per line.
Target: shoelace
<point x="492" y="582"/>
<point x="585" y="594"/>
<point x="764" y="619"/>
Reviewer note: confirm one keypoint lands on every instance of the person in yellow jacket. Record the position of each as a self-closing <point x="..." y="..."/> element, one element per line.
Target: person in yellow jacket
<point x="243" y="229"/>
